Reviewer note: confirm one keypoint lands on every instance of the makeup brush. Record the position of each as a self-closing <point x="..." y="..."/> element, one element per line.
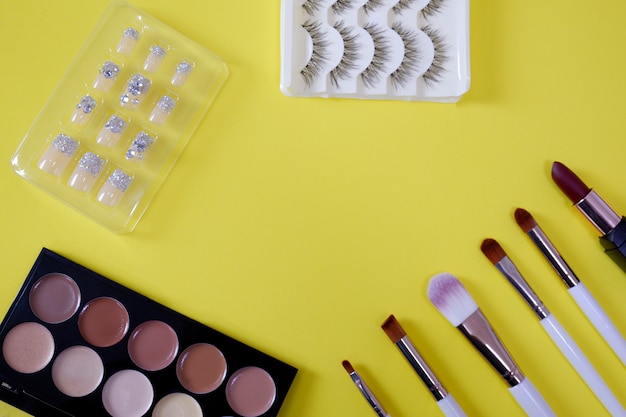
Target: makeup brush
<point x="494" y="252"/>
<point x="575" y="288"/>
<point x="596" y="210"/>
<point x="367" y="393"/>
<point x="455" y="303"/>
<point x="445" y="400"/>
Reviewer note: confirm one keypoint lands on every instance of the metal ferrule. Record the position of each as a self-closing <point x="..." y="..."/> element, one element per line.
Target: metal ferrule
<point x="553" y="256"/>
<point x="600" y="214"/>
<point x="369" y="396"/>
<point x="478" y="331"/>
<point x="511" y="273"/>
<point x="422" y="369"/>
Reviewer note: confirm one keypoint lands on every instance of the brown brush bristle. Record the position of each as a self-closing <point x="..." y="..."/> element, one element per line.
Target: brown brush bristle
<point x="348" y="367"/>
<point x="393" y="329"/>
<point x="492" y="250"/>
<point x="524" y="220"/>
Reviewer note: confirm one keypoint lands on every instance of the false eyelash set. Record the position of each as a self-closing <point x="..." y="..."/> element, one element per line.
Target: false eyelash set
<point x="377" y="49"/>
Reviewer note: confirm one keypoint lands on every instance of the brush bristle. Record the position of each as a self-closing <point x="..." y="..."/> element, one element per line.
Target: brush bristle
<point x="492" y="250"/>
<point x="347" y="366"/>
<point x="393" y="329"/>
<point x="451" y="298"/>
<point x="524" y="219"/>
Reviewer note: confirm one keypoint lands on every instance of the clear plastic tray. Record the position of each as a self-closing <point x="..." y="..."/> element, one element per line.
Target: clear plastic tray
<point x="115" y="125"/>
<point x="375" y="49"/>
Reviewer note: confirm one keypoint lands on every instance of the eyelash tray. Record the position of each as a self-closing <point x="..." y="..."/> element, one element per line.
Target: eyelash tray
<point x="76" y="343"/>
<point x="414" y="50"/>
<point x="113" y="128"/>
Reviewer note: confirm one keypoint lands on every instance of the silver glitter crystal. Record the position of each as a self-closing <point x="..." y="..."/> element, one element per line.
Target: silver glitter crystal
<point x="86" y="104"/>
<point x="110" y="70"/>
<point x="158" y="51"/>
<point x="131" y="33"/>
<point x="166" y="104"/>
<point x="91" y="163"/>
<point x="141" y="144"/>
<point x="120" y="180"/>
<point x="115" y="124"/>
<point x="184" y="67"/>
<point x="137" y="85"/>
<point x="64" y="144"/>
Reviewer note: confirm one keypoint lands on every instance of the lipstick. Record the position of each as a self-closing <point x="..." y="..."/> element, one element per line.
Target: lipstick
<point x="611" y="225"/>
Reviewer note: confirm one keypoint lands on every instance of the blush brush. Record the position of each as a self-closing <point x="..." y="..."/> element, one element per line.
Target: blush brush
<point x="576" y="289"/>
<point x="455" y="303"/>
<point x="568" y="347"/>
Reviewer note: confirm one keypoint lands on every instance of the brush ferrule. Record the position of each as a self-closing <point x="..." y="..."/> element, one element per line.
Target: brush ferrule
<point x="599" y="213"/>
<point x="423" y="370"/>
<point x="553" y="256"/>
<point x="510" y="271"/>
<point x="369" y="396"/>
<point x="480" y="333"/>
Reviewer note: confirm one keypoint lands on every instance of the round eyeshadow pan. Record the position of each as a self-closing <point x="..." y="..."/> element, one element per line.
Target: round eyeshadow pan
<point x="77" y="371"/>
<point x="103" y="321"/>
<point x="54" y="298"/>
<point x="127" y="393"/>
<point x="153" y="345"/>
<point x="28" y="347"/>
<point x="201" y="368"/>
<point x="177" y="404"/>
<point x="250" y="391"/>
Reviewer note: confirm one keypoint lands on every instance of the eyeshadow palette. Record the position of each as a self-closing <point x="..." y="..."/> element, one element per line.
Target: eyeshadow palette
<point x="415" y="50"/>
<point x="76" y="343"/>
<point x="108" y="136"/>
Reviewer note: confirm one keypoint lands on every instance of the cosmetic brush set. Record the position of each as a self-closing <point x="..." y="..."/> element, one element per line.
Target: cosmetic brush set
<point x="450" y="297"/>
<point x="375" y="49"/>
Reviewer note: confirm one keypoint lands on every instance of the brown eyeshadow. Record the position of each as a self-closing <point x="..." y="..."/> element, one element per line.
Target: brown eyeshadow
<point x="54" y="298"/>
<point x="103" y="322"/>
<point x="201" y="368"/>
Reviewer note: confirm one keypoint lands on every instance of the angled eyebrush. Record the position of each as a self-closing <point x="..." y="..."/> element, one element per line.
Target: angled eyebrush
<point x="568" y="347"/>
<point x="445" y="400"/>
<point x="455" y="303"/>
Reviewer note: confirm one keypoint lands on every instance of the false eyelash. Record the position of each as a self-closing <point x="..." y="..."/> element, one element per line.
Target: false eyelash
<point x="436" y="70"/>
<point x="382" y="51"/>
<point x="319" y="56"/>
<point x="350" y="54"/>
<point x="372" y="5"/>
<point x="432" y="8"/>
<point x="311" y="6"/>
<point x="402" y="5"/>
<point x="410" y="61"/>
<point x="341" y="6"/>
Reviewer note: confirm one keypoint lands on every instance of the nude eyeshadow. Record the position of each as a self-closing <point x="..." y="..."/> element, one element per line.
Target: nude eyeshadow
<point x="74" y="340"/>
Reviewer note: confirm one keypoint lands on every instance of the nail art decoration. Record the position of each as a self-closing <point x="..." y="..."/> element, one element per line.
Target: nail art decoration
<point x="83" y="110"/>
<point x="58" y="154"/>
<point x="138" y="87"/>
<point x="155" y="58"/>
<point x="140" y="145"/>
<point x="86" y="172"/>
<point x="128" y="41"/>
<point x="106" y="76"/>
<point x="113" y="189"/>
<point x="162" y="110"/>
<point x="110" y="133"/>
<point x="182" y="73"/>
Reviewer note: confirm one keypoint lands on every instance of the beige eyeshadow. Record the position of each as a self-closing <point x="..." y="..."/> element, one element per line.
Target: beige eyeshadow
<point x="103" y="322"/>
<point x="177" y="405"/>
<point x="250" y="391"/>
<point x="28" y="347"/>
<point x="201" y="368"/>
<point x="54" y="298"/>
<point x="77" y="371"/>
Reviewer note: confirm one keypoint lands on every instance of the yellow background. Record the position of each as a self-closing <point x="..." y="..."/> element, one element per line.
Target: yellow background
<point x="298" y="225"/>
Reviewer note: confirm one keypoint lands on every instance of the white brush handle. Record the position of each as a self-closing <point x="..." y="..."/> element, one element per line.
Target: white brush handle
<point x="450" y="407"/>
<point x="582" y="365"/>
<point x="599" y="319"/>
<point x="531" y="400"/>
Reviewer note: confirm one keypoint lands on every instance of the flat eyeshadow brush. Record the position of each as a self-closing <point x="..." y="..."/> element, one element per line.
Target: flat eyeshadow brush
<point x="568" y="347"/>
<point x="577" y="290"/>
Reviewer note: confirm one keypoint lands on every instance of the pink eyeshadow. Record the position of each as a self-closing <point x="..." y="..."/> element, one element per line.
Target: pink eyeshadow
<point x="201" y="368"/>
<point x="127" y="393"/>
<point x="103" y="322"/>
<point x="250" y="391"/>
<point x="28" y="347"/>
<point x="54" y="298"/>
<point x="153" y="345"/>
